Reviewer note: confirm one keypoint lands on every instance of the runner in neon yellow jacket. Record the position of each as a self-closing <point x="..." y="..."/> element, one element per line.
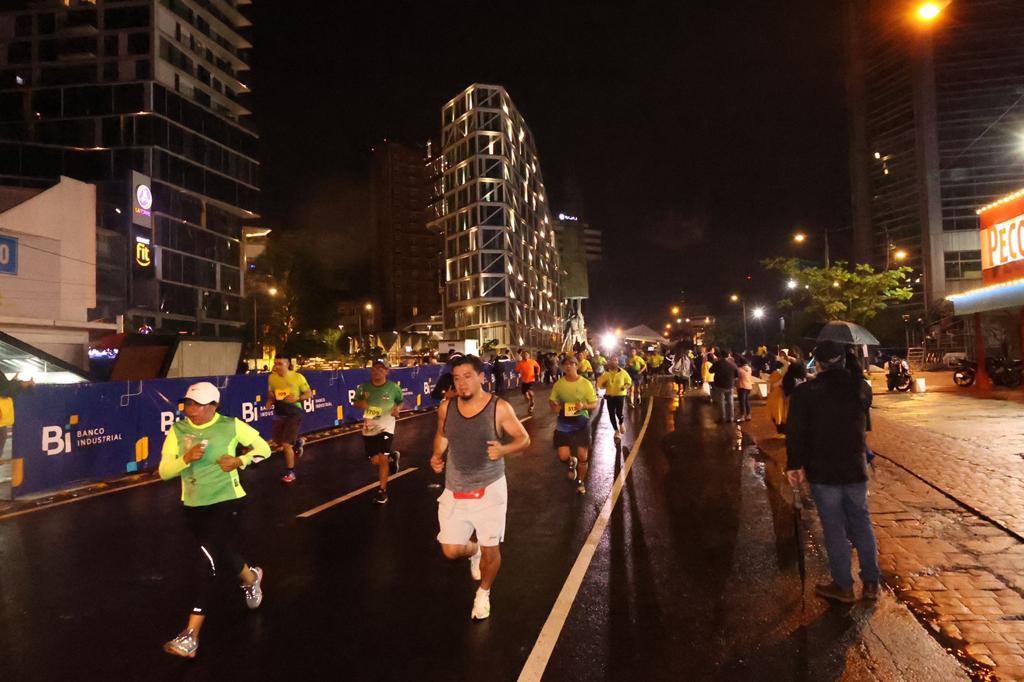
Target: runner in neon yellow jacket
<point x="201" y="451"/>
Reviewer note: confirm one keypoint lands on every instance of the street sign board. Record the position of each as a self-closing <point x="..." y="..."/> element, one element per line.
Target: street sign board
<point x="8" y="255"/>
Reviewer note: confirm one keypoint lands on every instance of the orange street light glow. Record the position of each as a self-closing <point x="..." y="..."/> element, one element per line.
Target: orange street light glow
<point x="929" y="11"/>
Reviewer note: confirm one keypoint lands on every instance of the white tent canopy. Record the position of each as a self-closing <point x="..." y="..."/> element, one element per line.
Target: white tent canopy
<point x="642" y="333"/>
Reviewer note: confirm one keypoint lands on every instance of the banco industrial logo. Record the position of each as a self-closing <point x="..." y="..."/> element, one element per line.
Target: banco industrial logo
<point x="58" y="440"/>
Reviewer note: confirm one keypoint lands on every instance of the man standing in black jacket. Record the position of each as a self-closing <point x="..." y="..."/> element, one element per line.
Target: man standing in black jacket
<point x="722" y="388"/>
<point x="825" y="443"/>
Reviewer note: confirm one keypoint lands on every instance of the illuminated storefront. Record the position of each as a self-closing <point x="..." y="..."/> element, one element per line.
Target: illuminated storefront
<point x="996" y="308"/>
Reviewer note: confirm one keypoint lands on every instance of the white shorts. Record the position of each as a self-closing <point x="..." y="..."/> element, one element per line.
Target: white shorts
<point x="458" y="518"/>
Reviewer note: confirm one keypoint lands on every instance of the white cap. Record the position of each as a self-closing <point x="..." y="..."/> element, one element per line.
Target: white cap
<point x="203" y="393"/>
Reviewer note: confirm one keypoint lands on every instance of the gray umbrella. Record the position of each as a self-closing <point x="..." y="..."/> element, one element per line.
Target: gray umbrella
<point x="847" y="332"/>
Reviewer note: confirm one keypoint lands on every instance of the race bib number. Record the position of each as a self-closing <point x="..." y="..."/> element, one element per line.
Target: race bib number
<point x="570" y="410"/>
<point x="280" y="394"/>
<point x="372" y="412"/>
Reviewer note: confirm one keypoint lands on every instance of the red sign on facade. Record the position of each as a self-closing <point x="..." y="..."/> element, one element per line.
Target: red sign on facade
<point x="1002" y="240"/>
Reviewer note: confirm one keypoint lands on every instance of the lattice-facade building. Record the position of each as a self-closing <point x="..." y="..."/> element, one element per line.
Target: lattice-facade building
<point x="502" y="269"/>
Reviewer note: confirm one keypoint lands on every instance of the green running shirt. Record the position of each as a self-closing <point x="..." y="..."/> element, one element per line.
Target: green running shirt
<point x="203" y="482"/>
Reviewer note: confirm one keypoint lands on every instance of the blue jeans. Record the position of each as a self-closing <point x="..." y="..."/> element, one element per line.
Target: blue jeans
<point x="744" y="395"/>
<point x="722" y="398"/>
<point x="845" y="518"/>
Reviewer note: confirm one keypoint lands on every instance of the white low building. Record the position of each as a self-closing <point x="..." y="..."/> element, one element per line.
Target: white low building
<point x="48" y="268"/>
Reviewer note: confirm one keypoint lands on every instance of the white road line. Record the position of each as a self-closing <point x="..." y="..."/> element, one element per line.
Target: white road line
<point x="354" y="493"/>
<point x="549" y="634"/>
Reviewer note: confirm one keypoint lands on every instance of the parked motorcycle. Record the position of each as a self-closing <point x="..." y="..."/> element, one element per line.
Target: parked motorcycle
<point x="900" y="380"/>
<point x="1002" y="372"/>
<point x="965" y="373"/>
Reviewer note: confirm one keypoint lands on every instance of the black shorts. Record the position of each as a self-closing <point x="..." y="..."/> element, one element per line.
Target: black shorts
<point x="378" y="444"/>
<point x="580" y="438"/>
<point x="286" y="428"/>
<point x="526" y="387"/>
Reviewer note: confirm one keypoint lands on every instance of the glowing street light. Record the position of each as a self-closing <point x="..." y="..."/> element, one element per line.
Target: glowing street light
<point x="757" y="313"/>
<point x="668" y="325"/>
<point x="609" y="342"/>
<point x="799" y="237"/>
<point x="900" y="255"/>
<point x="369" y="306"/>
<point x="791" y="284"/>
<point x="743" y="303"/>
<point x="272" y="291"/>
<point x="675" y="310"/>
<point x="679" y="320"/>
<point x="928" y="12"/>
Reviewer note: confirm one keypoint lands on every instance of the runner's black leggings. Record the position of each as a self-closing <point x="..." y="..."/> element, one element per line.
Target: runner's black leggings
<point x="615" y="404"/>
<point x="215" y="528"/>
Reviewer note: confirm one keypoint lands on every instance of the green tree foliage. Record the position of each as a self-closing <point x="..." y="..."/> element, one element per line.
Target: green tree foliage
<point x="726" y="332"/>
<point x="840" y="292"/>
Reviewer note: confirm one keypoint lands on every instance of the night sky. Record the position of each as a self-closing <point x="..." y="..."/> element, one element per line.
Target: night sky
<point x="698" y="137"/>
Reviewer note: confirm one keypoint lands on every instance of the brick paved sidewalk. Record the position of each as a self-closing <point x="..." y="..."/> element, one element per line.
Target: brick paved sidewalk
<point x="962" y="575"/>
<point x="971" y="448"/>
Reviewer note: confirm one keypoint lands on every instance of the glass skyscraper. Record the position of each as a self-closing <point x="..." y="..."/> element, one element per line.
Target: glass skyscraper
<point x="937" y="113"/>
<point x="124" y="93"/>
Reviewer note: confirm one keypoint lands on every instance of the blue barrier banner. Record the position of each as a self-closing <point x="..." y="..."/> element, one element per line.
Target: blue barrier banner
<point x="78" y="433"/>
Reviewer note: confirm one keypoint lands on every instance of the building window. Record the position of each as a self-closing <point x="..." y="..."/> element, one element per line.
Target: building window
<point x="23" y="25"/>
<point x="963" y="265"/>
<point x="138" y="43"/>
<point x="126" y="17"/>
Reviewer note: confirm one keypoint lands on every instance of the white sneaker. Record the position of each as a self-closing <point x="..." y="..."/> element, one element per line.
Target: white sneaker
<point x="254" y="593"/>
<point x="481" y="605"/>
<point x="474" y="564"/>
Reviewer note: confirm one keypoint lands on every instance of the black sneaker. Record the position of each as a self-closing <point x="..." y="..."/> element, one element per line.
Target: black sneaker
<point x="835" y="593"/>
<point x="381" y="497"/>
<point x="297" y="448"/>
<point x="870" y="591"/>
<point x="394" y="462"/>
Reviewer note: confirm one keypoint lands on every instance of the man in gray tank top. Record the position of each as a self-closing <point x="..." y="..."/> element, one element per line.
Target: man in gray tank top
<point x="475" y="432"/>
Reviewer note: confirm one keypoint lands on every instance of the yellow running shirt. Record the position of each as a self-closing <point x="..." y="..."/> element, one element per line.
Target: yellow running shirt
<point x="615" y="382"/>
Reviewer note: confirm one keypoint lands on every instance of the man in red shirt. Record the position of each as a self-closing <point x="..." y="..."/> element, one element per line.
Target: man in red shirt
<point x="528" y="371"/>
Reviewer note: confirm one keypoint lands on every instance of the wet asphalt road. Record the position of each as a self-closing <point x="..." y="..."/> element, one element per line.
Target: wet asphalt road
<point x="694" y="578"/>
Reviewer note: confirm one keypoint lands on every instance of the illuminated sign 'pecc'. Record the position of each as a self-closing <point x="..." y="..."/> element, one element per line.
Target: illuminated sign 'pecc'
<point x="1003" y="242"/>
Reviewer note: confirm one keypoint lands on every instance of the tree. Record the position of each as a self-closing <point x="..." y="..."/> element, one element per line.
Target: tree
<point x="839" y="292"/>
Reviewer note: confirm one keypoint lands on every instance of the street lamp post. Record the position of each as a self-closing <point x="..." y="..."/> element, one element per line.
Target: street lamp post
<point x="743" y="306"/>
<point x="926" y="117"/>
<point x="271" y="291"/>
<point x="800" y="238"/>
